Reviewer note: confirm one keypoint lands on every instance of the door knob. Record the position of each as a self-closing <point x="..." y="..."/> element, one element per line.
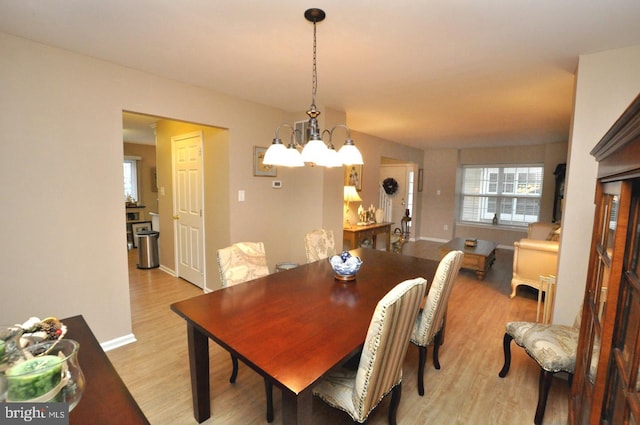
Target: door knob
<point x="176" y="217"/>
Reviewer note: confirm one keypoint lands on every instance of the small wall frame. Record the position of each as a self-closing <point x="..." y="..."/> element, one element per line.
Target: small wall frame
<point x="353" y="176"/>
<point x="259" y="169"/>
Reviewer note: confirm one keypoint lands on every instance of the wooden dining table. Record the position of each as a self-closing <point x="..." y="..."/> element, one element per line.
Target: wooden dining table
<point x="292" y="326"/>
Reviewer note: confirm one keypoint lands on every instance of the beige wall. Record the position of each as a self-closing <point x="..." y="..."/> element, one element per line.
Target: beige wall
<point x="438" y="195"/>
<point x="607" y="82"/>
<point x="61" y="125"/>
<point x="442" y="168"/>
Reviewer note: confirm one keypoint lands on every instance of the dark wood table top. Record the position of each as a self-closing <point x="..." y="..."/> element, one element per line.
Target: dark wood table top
<point x="106" y="399"/>
<point x="295" y="325"/>
<point x="483" y="247"/>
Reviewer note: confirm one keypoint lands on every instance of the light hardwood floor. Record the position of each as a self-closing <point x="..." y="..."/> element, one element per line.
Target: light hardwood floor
<point x="466" y="390"/>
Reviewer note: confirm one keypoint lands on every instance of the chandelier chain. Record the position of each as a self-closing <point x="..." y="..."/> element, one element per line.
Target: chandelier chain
<point x="315" y="150"/>
<point x="314" y="79"/>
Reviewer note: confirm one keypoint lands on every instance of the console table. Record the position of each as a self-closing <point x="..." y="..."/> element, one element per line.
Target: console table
<point x="106" y="399"/>
<point x="354" y="235"/>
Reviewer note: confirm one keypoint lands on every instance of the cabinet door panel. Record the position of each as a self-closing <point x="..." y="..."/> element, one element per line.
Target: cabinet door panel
<point x="622" y="402"/>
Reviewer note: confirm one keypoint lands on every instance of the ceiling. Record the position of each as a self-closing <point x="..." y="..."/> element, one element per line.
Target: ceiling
<point x="460" y="73"/>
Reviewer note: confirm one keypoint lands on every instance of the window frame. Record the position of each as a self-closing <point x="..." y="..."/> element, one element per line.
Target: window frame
<point x="135" y="184"/>
<point x="503" y="189"/>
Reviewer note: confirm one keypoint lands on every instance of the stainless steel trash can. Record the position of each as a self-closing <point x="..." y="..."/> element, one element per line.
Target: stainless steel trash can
<point x="148" y="249"/>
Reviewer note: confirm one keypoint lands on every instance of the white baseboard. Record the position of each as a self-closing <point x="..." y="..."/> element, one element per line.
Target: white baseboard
<point x="168" y="270"/>
<point x="118" y="342"/>
<point x="422" y="238"/>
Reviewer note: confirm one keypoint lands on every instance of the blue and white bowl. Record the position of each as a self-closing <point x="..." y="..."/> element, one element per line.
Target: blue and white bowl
<point x="345" y="265"/>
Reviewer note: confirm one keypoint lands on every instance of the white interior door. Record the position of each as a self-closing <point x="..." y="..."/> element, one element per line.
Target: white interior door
<point x="188" y="207"/>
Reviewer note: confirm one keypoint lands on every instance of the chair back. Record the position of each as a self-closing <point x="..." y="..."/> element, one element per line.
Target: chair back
<point x="430" y="319"/>
<point x="319" y="244"/>
<point x="380" y="367"/>
<point x="241" y="262"/>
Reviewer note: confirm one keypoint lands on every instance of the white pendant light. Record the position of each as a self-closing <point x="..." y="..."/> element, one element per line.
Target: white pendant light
<point x="331" y="158"/>
<point x="349" y="154"/>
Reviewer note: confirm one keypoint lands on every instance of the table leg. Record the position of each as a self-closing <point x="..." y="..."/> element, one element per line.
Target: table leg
<point x="199" y="368"/>
<point x="297" y="410"/>
<point x="388" y="239"/>
<point x="350" y="238"/>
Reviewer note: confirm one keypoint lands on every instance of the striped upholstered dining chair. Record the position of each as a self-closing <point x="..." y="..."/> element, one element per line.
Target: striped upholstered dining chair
<point x="240" y="263"/>
<point x="429" y="325"/>
<point x="379" y="371"/>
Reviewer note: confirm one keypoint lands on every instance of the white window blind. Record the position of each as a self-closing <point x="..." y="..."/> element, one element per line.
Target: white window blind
<point x="510" y="193"/>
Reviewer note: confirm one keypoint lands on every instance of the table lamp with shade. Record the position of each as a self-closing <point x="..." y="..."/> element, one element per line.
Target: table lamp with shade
<point x="350" y="195"/>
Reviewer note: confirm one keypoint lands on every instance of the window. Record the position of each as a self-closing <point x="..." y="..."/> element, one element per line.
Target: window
<point x="130" y="165"/>
<point x="511" y="194"/>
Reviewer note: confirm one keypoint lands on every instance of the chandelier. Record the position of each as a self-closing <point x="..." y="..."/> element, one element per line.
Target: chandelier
<point x="310" y="148"/>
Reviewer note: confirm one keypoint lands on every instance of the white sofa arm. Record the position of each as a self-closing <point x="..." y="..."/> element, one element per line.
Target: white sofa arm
<point x="533" y="258"/>
<point x="541" y="230"/>
<point x="537" y="245"/>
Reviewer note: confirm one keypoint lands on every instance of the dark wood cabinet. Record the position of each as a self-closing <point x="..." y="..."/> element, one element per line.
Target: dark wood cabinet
<point x="558" y="195"/>
<point x="606" y="386"/>
<point x="622" y="402"/>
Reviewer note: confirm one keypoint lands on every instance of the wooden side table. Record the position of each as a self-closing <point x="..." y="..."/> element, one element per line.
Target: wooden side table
<point x="354" y="235"/>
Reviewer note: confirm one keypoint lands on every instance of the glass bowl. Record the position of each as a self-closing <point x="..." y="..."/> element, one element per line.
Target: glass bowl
<point x="51" y="372"/>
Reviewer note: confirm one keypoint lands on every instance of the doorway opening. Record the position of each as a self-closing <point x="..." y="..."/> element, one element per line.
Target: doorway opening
<point x="397" y="194"/>
<point x="152" y="135"/>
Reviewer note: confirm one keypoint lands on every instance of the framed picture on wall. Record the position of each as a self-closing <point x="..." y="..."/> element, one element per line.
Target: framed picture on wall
<point x="353" y="176"/>
<point x="259" y="169"/>
<point x="302" y="131"/>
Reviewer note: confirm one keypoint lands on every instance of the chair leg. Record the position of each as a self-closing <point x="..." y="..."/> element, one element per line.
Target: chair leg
<point x="543" y="393"/>
<point x="506" y="346"/>
<point x="395" y="402"/>
<point x="268" y="388"/>
<point x="422" y="359"/>
<point x="234" y="371"/>
<point x="437" y="342"/>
